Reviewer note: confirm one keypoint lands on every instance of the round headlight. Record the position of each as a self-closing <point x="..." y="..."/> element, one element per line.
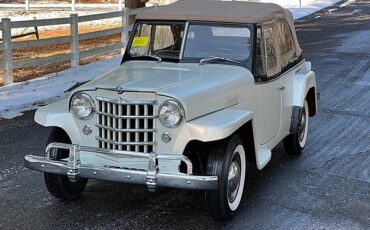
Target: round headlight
<point x="82" y="105"/>
<point x="171" y="114"/>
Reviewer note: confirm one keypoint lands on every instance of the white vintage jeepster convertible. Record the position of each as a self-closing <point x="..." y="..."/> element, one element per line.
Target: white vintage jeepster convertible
<point x="203" y="88"/>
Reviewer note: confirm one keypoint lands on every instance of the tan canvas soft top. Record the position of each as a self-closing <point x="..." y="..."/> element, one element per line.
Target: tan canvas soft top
<point x="221" y="11"/>
<point x="218" y="11"/>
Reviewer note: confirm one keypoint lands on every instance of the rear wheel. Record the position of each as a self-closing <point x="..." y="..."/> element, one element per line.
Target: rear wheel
<point x="60" y="186"/>
<point x="227" y="161"/>
<point x="295" y="142"/>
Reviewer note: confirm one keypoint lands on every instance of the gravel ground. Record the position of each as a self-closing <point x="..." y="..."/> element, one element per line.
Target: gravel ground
<point x="328" y="187"/>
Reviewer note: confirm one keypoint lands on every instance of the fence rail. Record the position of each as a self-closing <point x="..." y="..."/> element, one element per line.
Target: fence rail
<point x="71" y="5"/>
<point x="7" y="46"/>
<point x="119" y="5"/>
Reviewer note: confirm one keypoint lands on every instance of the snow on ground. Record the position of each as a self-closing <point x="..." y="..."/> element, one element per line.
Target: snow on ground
<point x="31" y="94"/>
<point x="22" y="15"/>
<point x="15" y="99"/>
<point x="307" y="6"/>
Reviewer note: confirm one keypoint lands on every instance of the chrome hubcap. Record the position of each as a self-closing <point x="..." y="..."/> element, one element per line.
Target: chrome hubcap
<point x="302" y="126"/>
<point x="234" y="178"/>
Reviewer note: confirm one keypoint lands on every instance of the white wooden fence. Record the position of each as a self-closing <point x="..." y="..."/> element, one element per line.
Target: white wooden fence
<point x="75" y="55"/>
<point x="72" y="5"/>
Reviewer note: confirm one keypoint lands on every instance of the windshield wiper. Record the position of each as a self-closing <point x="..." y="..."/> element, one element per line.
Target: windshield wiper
<point x="213" y="58"/>
<point x="159" y="59"/>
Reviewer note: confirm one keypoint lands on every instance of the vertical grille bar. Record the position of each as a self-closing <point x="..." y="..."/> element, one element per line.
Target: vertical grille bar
<point x="136" y="127"/>
<point x="104" y="123"/>
<point x="128" y="125"/>
<point x="109" y="124"/>
<point x="114" y="124"/>
<point x="120" y="139"/>
<point x="145" y="127"/>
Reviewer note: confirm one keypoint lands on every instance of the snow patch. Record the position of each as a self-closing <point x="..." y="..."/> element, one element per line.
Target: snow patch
<point x="21" y="15"/>
<point x="25" y="96"/>
<point x="347" y="3"/>
<point x="308" y="6"/>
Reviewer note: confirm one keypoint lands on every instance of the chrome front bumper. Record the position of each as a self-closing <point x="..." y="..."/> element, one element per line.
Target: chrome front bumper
<point x="152" y="177"/>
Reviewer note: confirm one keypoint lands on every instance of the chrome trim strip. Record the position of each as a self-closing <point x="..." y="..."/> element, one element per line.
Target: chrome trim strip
<point x="128" y="117"/>
<point x="125" y="143"/>
<point x="121" y="101"/>
<point x="126" y="130"/>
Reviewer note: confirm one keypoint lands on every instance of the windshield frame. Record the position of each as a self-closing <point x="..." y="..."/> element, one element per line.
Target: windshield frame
<point x="244" y="63"/>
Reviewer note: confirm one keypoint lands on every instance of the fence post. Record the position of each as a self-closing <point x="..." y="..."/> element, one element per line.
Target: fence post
<point x="120" y="5"/>
<point x="73" y="5"/>
<point x="75" y="50"/>
<point x="27" y="5"/>
<point x="7" y="52"/>
<point x="125" y="25"/>
<point x="300" y="3"/>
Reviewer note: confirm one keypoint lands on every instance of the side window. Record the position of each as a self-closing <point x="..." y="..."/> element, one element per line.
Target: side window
<point x="267" y="56"/>
<point x="286" y="45"/>
<point x="260" y="68"/>
<point x="269" y="47"/>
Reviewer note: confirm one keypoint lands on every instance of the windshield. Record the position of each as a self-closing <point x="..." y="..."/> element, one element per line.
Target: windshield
<point x="161" y="40"/>
<point x="230" y="42"/>
<point x="166" y="41"/>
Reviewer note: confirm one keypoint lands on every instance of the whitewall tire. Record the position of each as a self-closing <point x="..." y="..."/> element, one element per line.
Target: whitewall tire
<point x="295" y="142"/>
<point x="227" y="160"/>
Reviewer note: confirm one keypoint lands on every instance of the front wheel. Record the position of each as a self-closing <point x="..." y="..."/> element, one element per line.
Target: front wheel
<point x="60" y="186"/>
<point x="227" y="161"/>
<point x="295" y="142"/>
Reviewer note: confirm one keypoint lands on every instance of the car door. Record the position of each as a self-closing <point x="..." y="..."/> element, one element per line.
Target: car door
<point x="269" y="84"/>
<point x="270" y="104"/>
<point x="289" y="61"/>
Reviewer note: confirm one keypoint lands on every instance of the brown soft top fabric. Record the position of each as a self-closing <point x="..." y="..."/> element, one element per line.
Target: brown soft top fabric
<point x="221" y="11"/>
<point x="218" y="11"/>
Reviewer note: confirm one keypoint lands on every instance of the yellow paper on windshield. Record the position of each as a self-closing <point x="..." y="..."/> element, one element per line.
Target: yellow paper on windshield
<point x="140" y="42"/>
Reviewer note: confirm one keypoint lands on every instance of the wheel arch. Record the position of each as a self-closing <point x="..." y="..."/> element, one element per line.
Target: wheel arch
<point x="57" y="133"/>
<point x="304" y="87"/>
<point x="58" y="115"/>
<point x="196" y="150"/>
<point x="311" y="101"/>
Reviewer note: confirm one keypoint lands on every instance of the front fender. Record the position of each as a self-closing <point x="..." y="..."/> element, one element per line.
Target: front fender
<point x="218" y="125"/>
<point x="58" y="115"/>
<point x="212" y="127"/>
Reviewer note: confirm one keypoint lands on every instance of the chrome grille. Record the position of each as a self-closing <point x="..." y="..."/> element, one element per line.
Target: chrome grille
<point x="126" y="125"/>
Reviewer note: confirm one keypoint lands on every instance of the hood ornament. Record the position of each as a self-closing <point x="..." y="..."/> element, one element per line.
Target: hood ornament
<point x="119" y="100"/>
<point x="119" y="89"/>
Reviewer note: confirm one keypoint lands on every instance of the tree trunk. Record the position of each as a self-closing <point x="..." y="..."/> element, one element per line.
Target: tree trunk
<point x="132" y="4"/>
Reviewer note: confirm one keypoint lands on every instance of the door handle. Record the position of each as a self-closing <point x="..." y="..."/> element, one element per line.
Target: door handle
<point x="281" y="88"/>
